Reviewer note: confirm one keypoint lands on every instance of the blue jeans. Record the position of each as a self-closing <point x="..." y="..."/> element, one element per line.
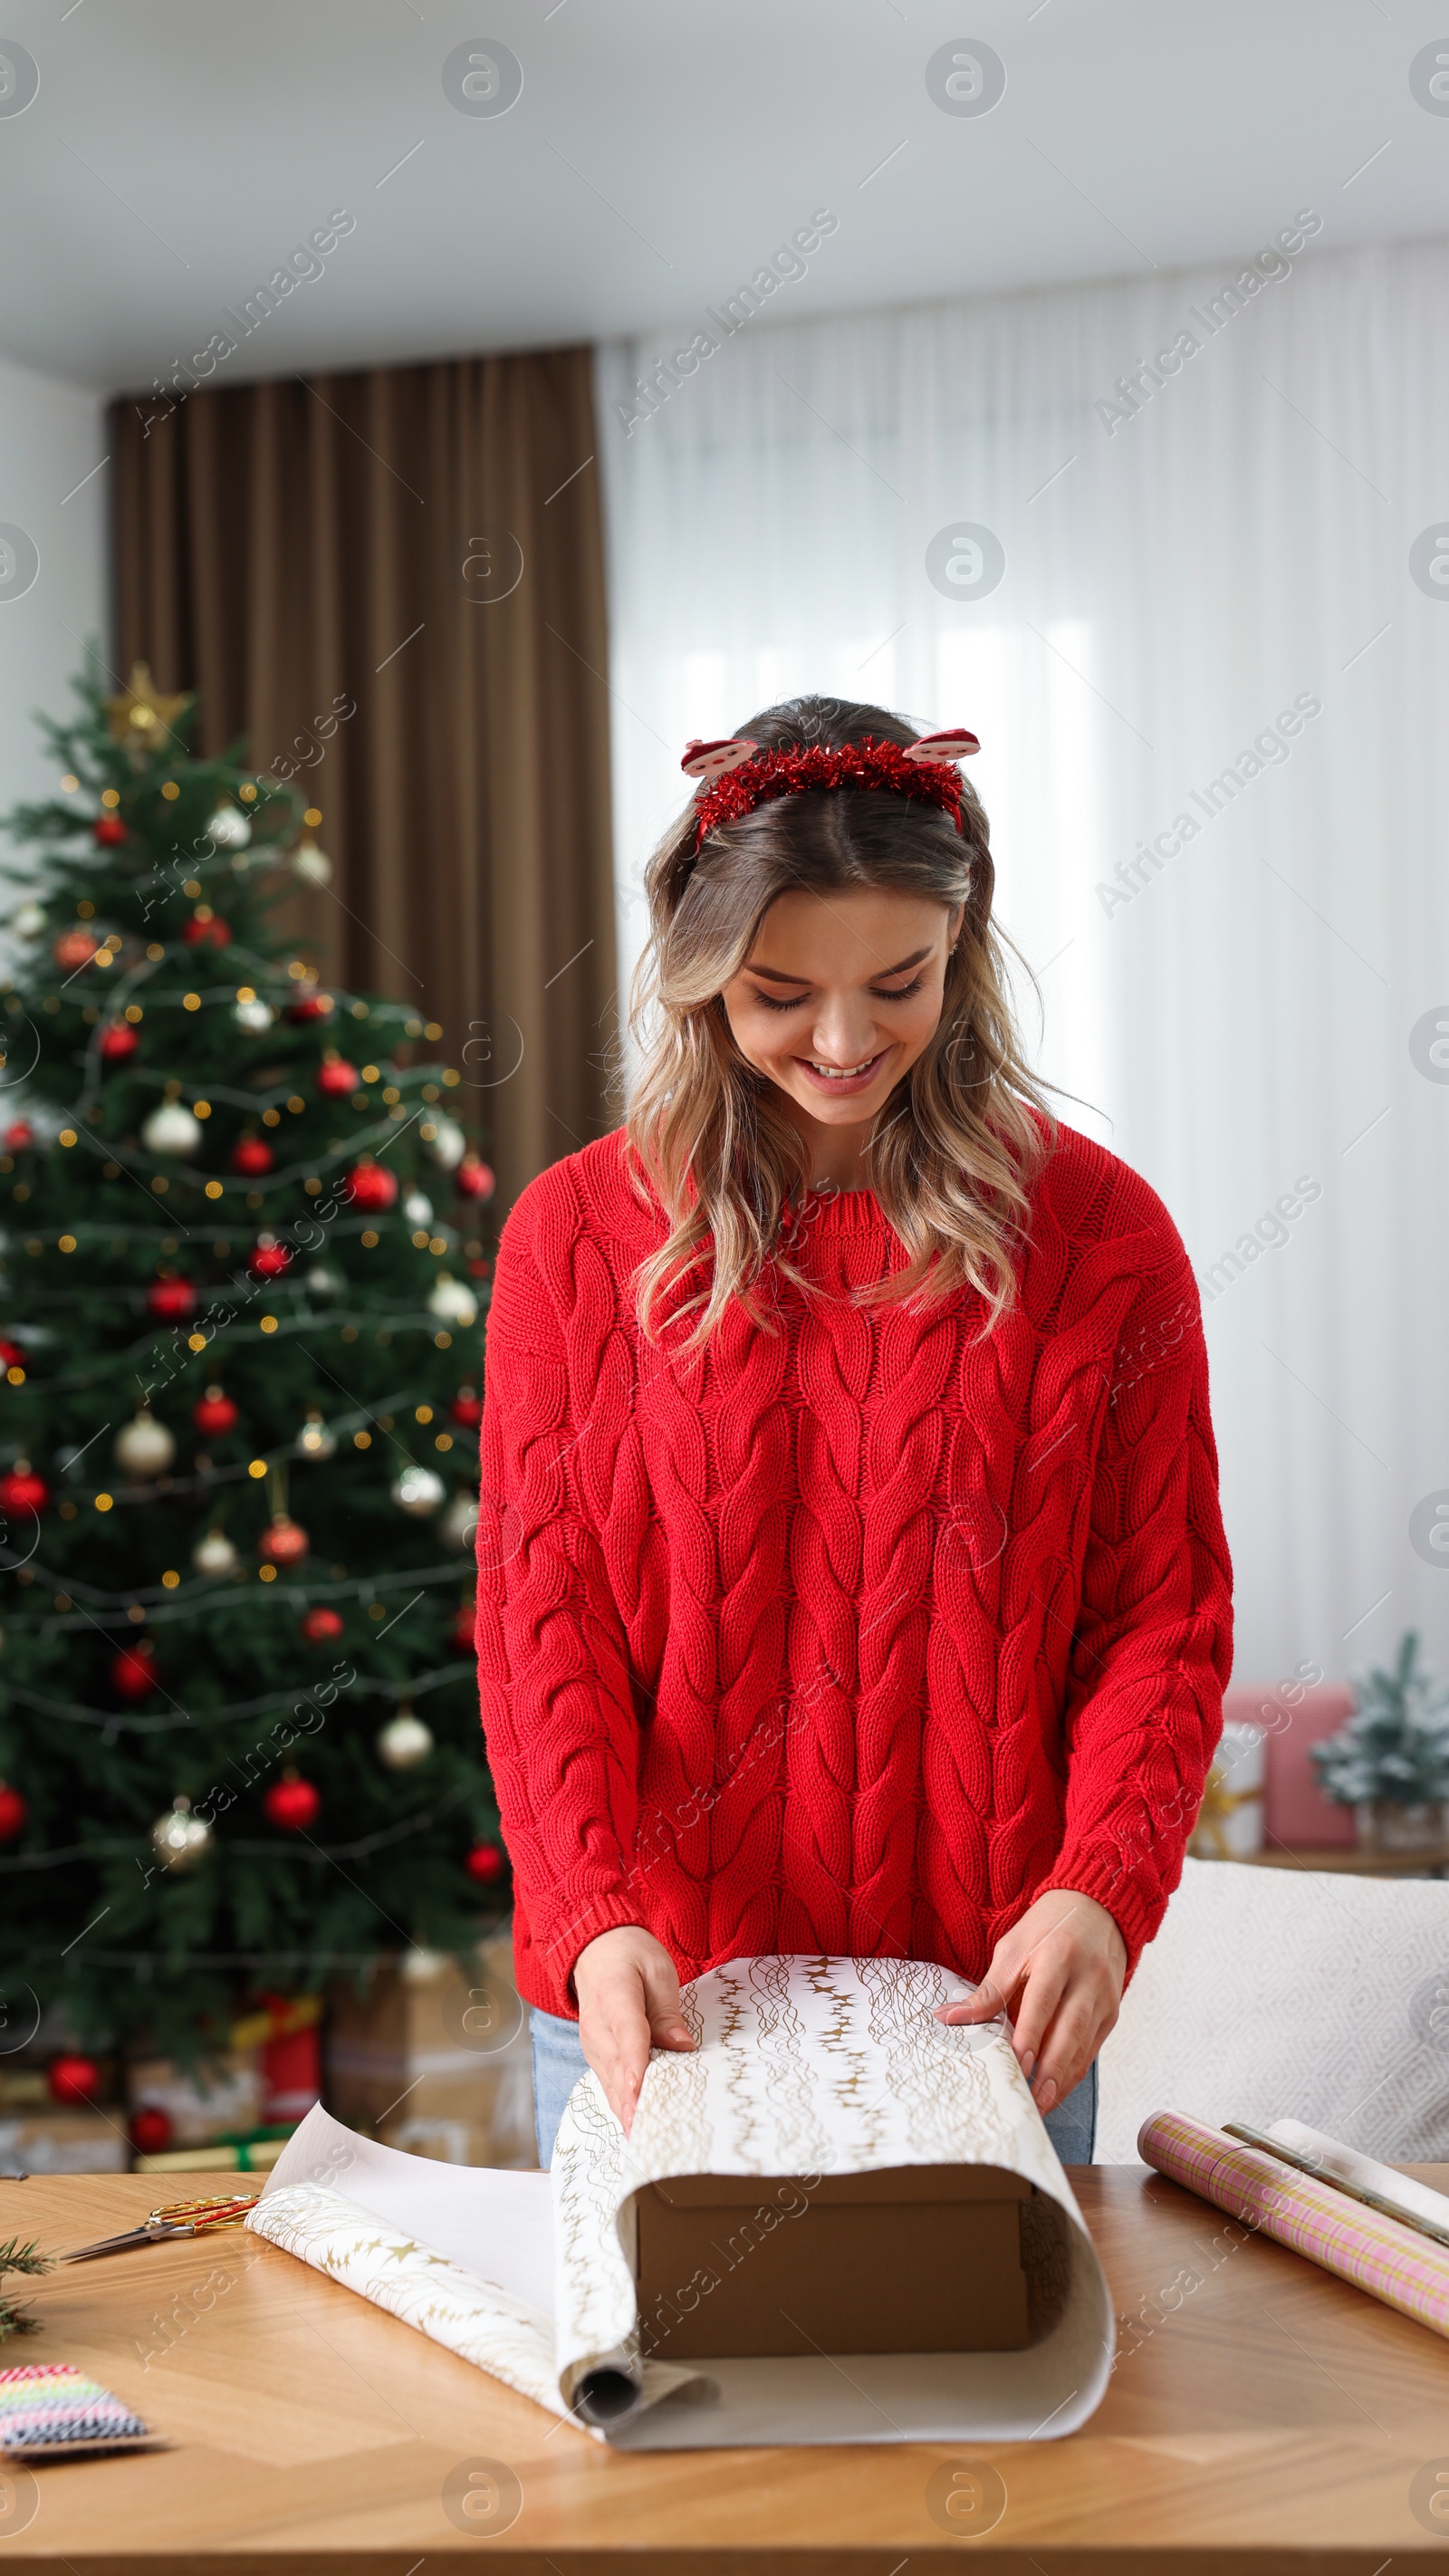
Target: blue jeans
<point x="558" y="2062"/>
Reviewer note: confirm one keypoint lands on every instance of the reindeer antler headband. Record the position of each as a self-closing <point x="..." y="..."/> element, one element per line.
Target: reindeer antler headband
<point x="736" y="776"/>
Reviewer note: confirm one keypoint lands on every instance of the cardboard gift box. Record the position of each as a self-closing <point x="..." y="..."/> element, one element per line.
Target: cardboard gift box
<point x="63" y="2142"/>
<point x="434" y="2060"/>
<point x="202" y="2103"/>
<point x="256" y="2153"/>
<point x="690" y="2287"/>
<point x="911" y="2258"/>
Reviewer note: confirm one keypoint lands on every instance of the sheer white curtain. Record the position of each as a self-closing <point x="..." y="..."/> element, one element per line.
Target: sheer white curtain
<point x="1246" y="1021"/>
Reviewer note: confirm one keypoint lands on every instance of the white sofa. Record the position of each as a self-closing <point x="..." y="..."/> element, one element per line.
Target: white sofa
<point x="1289" y="1994"/>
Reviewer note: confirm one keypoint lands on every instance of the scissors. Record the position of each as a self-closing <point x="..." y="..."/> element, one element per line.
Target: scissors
<point x="177" y="2218"/>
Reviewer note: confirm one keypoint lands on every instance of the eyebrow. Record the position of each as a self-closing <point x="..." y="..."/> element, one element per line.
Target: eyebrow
<point x="777" y="975"/>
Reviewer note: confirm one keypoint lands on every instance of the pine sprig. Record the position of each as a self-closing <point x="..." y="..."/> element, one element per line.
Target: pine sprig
<point x="15" y="2257"/>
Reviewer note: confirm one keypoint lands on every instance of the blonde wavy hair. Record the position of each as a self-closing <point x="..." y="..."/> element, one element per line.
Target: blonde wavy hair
<point x="954" y="1147"/>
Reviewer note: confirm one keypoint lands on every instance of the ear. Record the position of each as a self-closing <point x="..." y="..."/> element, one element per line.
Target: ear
<point x="712" y="759"/>
<point x="957" y="744"/>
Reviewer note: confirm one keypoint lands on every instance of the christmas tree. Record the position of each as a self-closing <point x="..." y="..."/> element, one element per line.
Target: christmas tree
<point x="1395" y="1747"/>
<point x="243" y="1273"/>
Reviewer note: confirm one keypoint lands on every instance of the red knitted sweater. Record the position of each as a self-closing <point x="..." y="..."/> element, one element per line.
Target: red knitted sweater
<point x="854" y="1639"/>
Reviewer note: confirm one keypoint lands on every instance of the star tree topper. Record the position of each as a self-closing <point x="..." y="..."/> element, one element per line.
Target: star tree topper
<point x="141" y="714"/>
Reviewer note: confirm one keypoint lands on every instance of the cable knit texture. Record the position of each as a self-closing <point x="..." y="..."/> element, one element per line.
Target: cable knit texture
<point x="857" y="1638"/>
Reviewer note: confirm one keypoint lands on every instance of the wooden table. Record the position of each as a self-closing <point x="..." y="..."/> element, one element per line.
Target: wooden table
<point x="1265" y="2419"/>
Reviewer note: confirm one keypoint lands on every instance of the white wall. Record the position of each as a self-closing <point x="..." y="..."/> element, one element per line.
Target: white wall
<point x="51" y="437"/>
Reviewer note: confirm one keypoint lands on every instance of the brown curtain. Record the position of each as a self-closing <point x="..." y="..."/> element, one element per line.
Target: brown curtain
<point x="422" y="544"/>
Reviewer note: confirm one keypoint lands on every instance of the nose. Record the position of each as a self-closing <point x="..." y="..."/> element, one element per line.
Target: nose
<point x="843" y="1035"/>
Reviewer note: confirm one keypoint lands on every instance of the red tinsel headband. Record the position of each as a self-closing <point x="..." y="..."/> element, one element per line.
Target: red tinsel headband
<point x="737" y="775"/>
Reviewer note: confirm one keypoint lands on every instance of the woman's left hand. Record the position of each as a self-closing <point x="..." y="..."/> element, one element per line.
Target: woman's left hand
<point x="1058" y="1973"/>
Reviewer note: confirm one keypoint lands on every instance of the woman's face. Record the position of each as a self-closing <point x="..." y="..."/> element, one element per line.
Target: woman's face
<point x="839" y="995"/>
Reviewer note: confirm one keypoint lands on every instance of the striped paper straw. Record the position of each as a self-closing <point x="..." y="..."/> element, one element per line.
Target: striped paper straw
<point x="1376" y="2254"/>
<point x="48" y="2406"/>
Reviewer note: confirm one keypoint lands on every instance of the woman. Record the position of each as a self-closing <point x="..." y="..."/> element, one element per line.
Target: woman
<point x="852" y="1579"/>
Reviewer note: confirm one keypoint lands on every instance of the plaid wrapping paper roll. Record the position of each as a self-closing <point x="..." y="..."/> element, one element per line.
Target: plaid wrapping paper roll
<point x="1390" y="2261"/>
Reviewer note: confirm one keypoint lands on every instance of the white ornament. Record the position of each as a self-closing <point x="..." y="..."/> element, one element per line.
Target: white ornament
<point x="214" y="1554"/>
<point x="404" y="1741"/>
<point x="172" y="1130"/>
<point x="255" y="1016"/>
<point x="417" y="1209"/>
<point x="452" y="1301"/>
<point x="314" y="1440"/>
<point x="459" y="1524"/>
<point x="179" y="1839"/>
<point x="447" y="1143"/>
<point x="229" y="829"/>
<point x="418" y="1492"/>
<point x="28" y="922"/>
<point x="322" y="1282"/>
<point x="312" y="863"/>
<point x="144" y="1448"/>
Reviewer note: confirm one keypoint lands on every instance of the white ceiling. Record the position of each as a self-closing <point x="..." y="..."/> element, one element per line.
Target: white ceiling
<point x="177" y="150"/>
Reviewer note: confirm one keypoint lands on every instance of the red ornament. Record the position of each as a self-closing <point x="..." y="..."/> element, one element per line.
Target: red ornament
<point x="73" y="2079"/>
<point x="320" y="1626"/>
<point x="118" y="1042"/>
<point x="13" y="1812"/>
<point x="252" y="1155"/>
<point x="214" y="1413"/>
<point x="270" y="1259"/>
<point x="292" y="1803"/>
<point x="75" y="948"/>
<point x="467" y="1407"/>
<point x="372" y="1186"/>
<point x="336" y="1078"/>
<point x="284" y="1542"/>
<point x="18" y="1135"/>
<point x="109" y="830"/>
<point x="22" y="1491"/>
<point x="312" y="1006"/>
<point x="151" y="2130"/>
<point x="460" y="1635"/>
<point x="485" y="1862"/>
<point x="133" y="1671"/>
<point x="171" y="1300"/>
<point x="11" y="1355"/>
<point x="473" y="1179"/>
<point x="480" y="1269"/>
<point x="208" y="932"/>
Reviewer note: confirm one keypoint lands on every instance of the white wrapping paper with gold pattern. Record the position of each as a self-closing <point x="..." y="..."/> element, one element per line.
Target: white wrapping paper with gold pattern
<point x="804" y="2066"/>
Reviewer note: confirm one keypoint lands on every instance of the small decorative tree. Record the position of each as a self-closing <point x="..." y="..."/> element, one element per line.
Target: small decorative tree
<point x="1391" y="1761"/>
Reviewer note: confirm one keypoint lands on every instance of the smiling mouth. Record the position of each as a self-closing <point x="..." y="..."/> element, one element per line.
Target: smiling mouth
<point x="842" y="1072"/>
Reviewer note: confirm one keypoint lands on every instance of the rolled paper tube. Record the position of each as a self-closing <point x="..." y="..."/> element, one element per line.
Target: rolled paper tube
<point x="1337" y="2162"/>
<point x="1376" y="2254"/>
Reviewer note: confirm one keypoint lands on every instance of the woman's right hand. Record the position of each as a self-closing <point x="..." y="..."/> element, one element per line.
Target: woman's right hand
<point x="628" y="1991"/>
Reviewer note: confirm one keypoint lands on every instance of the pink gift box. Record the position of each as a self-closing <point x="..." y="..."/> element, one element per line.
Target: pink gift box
<point x="1295" y="1810"/>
